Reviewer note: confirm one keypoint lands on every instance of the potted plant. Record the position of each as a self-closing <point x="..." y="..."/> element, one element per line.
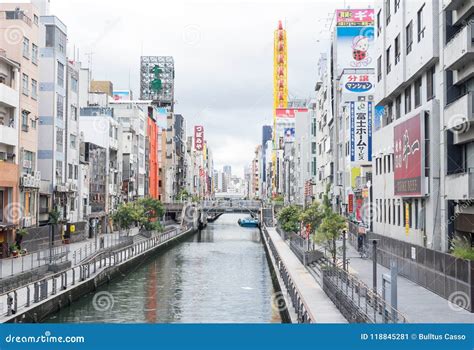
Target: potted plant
<point x="14" y="250"/>
<point x="20" y="234"/>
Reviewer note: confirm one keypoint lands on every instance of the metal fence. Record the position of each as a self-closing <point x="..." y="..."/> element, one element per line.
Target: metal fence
<point x="302" y="311"/>
<point x="13" y="301"/>
<point x="57" y="254"/>
<point x="360" y="301"/>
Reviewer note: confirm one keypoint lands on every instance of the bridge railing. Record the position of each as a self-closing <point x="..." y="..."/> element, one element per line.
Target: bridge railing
<point x="18" y="299"/>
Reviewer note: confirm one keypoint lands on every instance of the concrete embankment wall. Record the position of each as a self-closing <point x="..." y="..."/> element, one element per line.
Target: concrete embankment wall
<point x="277" y="283"/>
<point x="53" y="304"/>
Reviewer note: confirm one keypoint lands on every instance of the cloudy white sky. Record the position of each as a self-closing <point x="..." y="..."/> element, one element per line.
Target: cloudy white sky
<point x="222" y="51"/>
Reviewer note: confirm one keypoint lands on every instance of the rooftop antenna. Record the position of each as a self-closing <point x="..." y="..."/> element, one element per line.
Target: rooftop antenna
<point x="89" y="55"/>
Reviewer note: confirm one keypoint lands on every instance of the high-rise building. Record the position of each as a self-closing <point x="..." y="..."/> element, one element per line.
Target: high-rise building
<point x="406" y="147"/>
<point x="58" y="148"/>
<point x="457" y="123"/>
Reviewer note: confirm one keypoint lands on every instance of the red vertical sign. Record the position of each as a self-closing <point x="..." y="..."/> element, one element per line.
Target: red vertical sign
<point x="409" y="154"/>
<point x="351" y="203"/>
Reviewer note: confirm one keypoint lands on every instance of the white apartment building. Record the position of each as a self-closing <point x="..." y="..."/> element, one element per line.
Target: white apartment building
<point x="325" y="130"/>
<point x="132" y="115"/>
<point x="9" y="147"/>
<point x="406" y="148"/>
<point x="457" y="103"/>
<point x="57" y="171"/>
<point x="100" y="128"/>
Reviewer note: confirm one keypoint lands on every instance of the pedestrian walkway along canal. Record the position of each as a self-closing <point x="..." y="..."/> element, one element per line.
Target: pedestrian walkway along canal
<point x="218" y="275"/>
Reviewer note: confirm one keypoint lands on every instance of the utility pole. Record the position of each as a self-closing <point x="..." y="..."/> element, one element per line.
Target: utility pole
<point x="374" y="260"/>
<point x="344" y="259"/>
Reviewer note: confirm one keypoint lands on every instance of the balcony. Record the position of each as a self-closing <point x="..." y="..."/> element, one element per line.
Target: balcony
<point x="462" y="9"/>
<point x="459" y="51"/>
<point x="459" y="112"/>
<point x="460" y="186"/>
<point x="9" y="96"/>
<point x="8" y="135"/>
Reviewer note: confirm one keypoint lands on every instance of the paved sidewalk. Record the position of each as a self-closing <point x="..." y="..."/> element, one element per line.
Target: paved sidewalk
<point x="321" y="307"/>
<point x="418" y="304"/>
<point x="75" y="252"/>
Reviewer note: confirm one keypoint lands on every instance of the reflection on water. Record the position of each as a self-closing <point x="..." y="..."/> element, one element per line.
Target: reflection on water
<point x="218" y="275"/>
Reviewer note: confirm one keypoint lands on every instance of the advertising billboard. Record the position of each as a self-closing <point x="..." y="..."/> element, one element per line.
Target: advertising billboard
<point x="122" y="95"/>
<point x="360" y="113"/>
<point x="198" y="137"/>
<point x="285" y="122"/>
<point x="160" y="115"/>
<point x="409" y="157"/>
<point x="358" y="83"/>
<point x="355" y="39"/>
<point x="360" y="17"/>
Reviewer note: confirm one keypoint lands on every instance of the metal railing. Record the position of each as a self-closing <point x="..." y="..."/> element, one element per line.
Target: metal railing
<point x="57" y="254"/>
<point x="301" y="309"/>
<point x="370" y="305"/>
<point x="17" y="299"/>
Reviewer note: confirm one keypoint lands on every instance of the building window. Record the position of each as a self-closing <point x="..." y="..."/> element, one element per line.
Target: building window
<point x="399" y="218"/>
<point x="389" y="113"/>
<point x="394" y="212"/>
<point x="25" y="84"/>
<point x="397" y="49"/>
<point x="398" y="106"/>
<point x="59" y="139"/>
<point x="379" y="68"/>
<point x="35" y="19"/>
<point x="389" y="207"/>
<point x="33" y="123"/>
<point x="26" y="47"/>
<point x="60" y="74"/>
<point x="60" y="106"/>
<point x="34" y="89"/>
<point x="379" y="23"/>
<point x="409" y="34"/>
<point x="416" y="214"/>
<point x="24" y="120"/>
<point x="72" y="139"/>
<point x="76" y="172"/>
<point x="430" y="81"/>
<point x="74" y="113"/>
<point x="421" y="23"/>
<point x="59" y="172"/>
<point x="418" y="83"/>
<point x="74" y="84"/>
<point x="28" y="164"/>
<point x="397" y="5"/>
<point x="69" y="171"/>
<point x="34" y="54"/>
<point x="408" y="100"/>
<point x="388" y="11"/>
<point x="387" y="57"/>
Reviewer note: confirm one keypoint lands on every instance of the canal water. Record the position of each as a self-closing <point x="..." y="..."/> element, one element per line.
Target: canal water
<point x="218" y="275"/>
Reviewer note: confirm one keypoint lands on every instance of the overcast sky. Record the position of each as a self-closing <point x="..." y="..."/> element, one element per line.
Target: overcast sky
<point x="223" y="53"/>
